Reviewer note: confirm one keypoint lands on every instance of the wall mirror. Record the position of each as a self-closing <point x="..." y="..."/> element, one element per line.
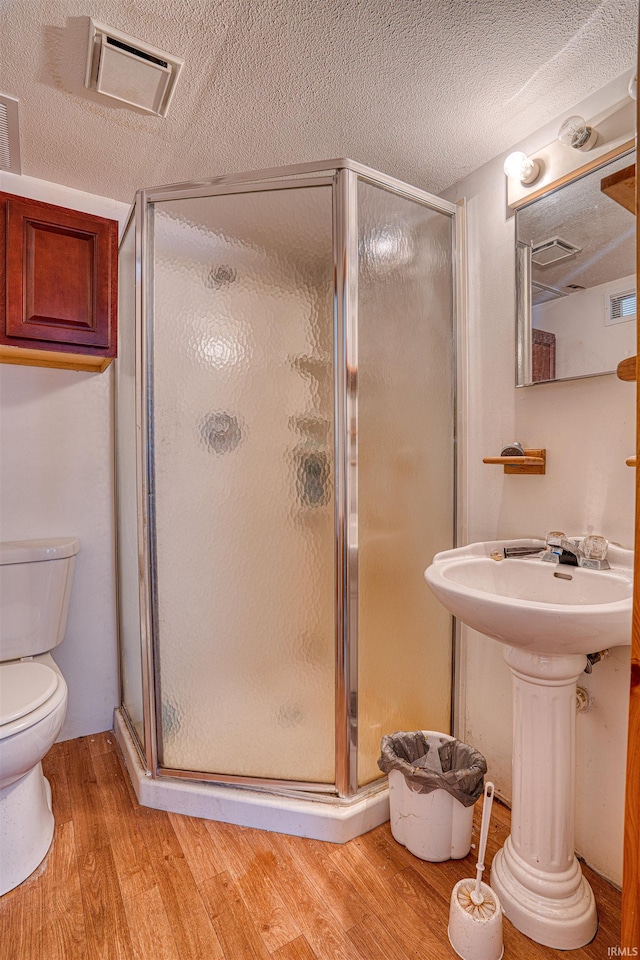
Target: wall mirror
<point x="575" y="276"/>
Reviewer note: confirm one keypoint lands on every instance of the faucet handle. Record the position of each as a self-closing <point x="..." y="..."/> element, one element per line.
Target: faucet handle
<point x="595" y="547"/>
<point x="594" y="550"/>
<point x="554" y="541"/>
<point x="555" y="538"/>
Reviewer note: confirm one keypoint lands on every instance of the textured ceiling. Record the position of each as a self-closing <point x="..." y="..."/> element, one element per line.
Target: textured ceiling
<point x="426" y="90"/>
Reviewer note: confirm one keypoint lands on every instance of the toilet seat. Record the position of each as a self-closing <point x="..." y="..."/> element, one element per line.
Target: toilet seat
<point x="29" y="691"/>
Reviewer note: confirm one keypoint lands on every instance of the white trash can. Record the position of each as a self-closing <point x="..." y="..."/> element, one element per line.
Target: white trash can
<point x="433" y="826"/>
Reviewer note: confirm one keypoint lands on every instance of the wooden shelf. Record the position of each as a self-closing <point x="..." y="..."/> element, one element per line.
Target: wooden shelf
<point x="534" y="462"/>
<point x="50" y="358"/>
<point x="621" y="187"/>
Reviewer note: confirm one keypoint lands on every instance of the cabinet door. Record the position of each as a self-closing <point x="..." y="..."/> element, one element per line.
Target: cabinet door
<point x="61" y="278"/>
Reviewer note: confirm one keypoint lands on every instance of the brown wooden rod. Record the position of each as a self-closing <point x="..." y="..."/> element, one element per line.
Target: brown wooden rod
<point x="627" y="369"/>
<point x="534" y="462"/>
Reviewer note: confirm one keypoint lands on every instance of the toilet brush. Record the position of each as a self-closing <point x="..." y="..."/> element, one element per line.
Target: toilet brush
<point x="475" y="916"/>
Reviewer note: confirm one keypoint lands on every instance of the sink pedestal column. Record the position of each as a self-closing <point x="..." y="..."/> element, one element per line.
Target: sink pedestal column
<point x="536" y="874"/>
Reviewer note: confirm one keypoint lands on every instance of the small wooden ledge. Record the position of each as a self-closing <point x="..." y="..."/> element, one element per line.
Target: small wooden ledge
<point x="533" y="462"/>
<point x="631" y="461"/>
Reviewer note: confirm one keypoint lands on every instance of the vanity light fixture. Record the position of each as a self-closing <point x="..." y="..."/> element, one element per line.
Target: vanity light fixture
<point x="521" y="167"/>
<point x="575" y="132"/>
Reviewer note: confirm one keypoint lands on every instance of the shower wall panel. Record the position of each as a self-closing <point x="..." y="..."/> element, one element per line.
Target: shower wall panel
<point x="243" y="490"/>
<point x="405" y="466"/>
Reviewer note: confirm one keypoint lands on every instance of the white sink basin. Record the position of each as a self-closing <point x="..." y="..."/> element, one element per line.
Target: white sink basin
<point x="522" y="603"/>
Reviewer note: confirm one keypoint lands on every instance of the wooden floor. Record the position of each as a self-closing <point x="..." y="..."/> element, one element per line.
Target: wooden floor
<point x="125" y="881"/>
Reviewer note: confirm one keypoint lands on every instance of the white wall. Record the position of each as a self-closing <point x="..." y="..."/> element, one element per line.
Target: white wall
<point x="588" y="428"/>
<point x="56" y="479"/>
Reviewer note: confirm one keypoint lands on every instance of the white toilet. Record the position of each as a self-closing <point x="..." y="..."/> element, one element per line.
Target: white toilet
<point x="35" y="586"/>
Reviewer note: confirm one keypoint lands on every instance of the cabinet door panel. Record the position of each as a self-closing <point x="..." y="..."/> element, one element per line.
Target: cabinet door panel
<point x="61" y="275"/>
<point x="48" y="301"/>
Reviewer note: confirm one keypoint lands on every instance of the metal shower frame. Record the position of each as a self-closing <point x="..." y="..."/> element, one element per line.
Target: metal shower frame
<point x="342" y="175"/>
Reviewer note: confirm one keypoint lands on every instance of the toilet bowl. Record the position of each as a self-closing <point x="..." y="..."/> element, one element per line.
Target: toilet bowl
<point x="35" y="585"/>
<point x="26" y="734"/>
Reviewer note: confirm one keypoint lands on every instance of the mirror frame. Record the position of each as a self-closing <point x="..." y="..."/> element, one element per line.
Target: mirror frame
<point x="523" y="299"/>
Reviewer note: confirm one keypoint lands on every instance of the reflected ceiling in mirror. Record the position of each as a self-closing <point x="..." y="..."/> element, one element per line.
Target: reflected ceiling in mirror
<point x="575" y="276"/>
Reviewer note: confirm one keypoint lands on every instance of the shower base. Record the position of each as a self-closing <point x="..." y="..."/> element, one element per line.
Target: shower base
<point x="336" y="821"/>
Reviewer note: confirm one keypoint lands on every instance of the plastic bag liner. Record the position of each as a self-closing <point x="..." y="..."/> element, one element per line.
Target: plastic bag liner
<point x="433" y="763"/>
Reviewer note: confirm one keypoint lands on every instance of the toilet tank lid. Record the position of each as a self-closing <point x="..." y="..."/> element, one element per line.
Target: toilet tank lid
<point x="29" y="551"/>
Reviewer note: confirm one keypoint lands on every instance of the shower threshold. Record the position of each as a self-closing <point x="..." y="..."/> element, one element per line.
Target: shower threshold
<point x="331" y="819"/>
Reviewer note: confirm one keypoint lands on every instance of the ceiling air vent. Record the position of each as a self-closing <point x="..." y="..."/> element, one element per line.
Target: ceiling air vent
<point x="9" y="134"/>
<point x="128" y="70"/>
<point x="552" y="250"/>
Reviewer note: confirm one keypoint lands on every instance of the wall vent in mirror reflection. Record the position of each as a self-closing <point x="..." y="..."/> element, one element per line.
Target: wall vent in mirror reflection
<point x="575" y="278"/>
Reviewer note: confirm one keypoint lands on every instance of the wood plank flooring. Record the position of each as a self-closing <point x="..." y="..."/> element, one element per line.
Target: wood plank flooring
<point x="123" y="882"/>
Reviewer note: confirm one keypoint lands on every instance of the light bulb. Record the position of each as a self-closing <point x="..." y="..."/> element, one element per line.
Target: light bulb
<point x="576" y="133"/>
<point x="520" y="167"/>
<point x="633" y="87"/>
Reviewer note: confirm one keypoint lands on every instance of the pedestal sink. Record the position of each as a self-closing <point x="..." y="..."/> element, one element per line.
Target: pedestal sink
<point x="549" y="616"/>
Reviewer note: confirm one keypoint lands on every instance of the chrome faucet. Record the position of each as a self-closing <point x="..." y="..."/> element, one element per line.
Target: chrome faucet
<point x="562" y="550"/>
<point x="590" y="552"/>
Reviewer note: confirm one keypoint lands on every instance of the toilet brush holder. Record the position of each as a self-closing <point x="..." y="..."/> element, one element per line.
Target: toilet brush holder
<point x="475" y="915"/>
<point x="475" y="933"/>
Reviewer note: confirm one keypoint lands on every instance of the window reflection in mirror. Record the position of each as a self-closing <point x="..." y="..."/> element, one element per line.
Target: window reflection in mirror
<point x="576" y="282"/>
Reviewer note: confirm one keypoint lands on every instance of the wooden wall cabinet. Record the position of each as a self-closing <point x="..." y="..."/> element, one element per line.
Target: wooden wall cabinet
<point x="58" y="284"/>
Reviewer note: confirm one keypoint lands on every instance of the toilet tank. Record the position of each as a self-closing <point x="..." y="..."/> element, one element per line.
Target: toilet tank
<point x="35" y="587"/>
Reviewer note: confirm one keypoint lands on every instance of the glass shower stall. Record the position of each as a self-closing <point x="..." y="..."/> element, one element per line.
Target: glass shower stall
<point x="285" y="402"/>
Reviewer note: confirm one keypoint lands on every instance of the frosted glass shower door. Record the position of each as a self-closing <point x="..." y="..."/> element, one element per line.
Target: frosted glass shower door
<point x="405" y="466"/>
<point x="242" y="482"/>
